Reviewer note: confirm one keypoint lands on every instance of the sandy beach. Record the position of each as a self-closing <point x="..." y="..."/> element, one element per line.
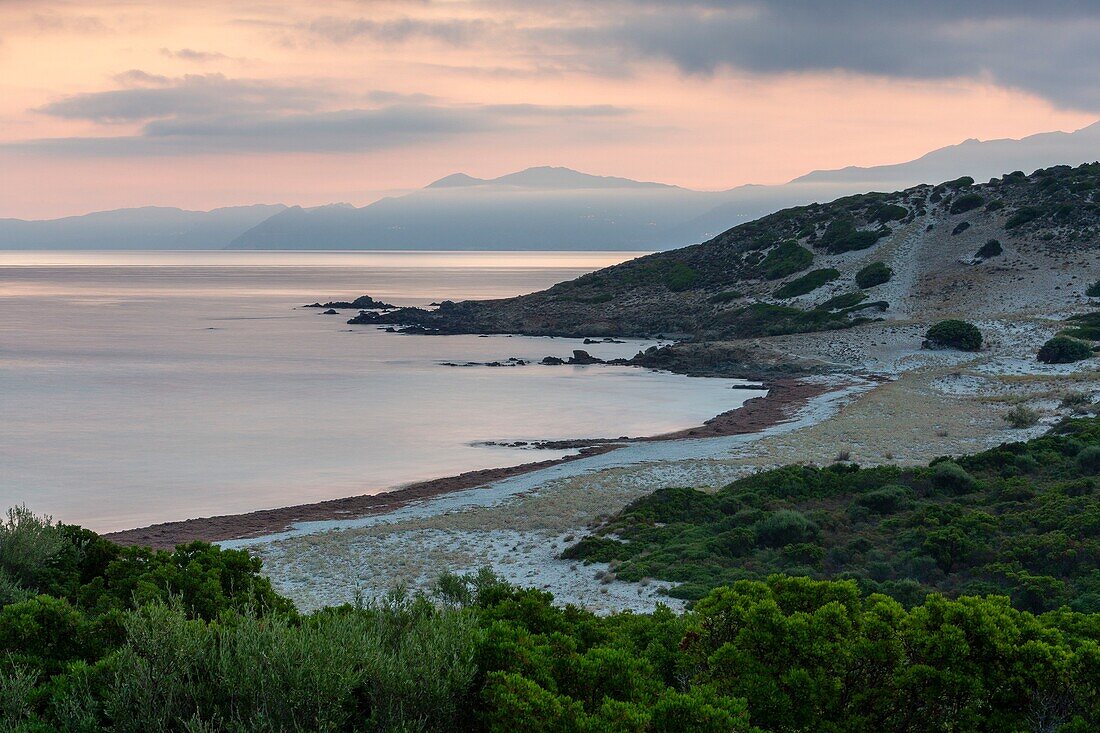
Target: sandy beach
<point x="895" y="403"/>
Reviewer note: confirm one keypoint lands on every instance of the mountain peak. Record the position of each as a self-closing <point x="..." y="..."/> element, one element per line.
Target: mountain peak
<point x="544" y="177"/>
<point x="547" y="176"/>
<point x="456" y="180"/>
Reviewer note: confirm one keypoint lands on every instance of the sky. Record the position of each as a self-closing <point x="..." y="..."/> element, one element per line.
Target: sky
<point x="202" y="104"/>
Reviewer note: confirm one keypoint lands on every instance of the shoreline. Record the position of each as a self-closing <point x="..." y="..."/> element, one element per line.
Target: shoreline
<point x="783" y="399"/>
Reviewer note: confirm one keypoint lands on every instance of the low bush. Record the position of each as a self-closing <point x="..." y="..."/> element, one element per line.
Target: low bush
<point x="680" y="277"/>
<point x="960" y="228"/>
<point x="842" y="301"/>
<point x="992" y="248"/>
<point x="962" y="182"/>
<point x="1084" y="326"/>
<point x="954" y="334"/>
<point x="1021" y="417"/>
<point x="784" y="528"/>
<point x="951" y="478"/>
<point x="874" y="274"/>
<point x="1022" y="216"/>
<point x="726" y="296"/>
<point x="1088" y="460"/>
<point x="1093" y="290"/>
<point x="1064" y="350"/>
<point x="842" y="236"/>
<point x="769" y="319"/>
<point x="967" y="202"/>
<point x="786" y="258"/>
<point x="807" y="283"/>
<point x="884" y="213"/>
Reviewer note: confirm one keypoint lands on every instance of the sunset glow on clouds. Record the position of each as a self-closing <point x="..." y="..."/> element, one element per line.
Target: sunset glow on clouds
<point x="203" y="104"/>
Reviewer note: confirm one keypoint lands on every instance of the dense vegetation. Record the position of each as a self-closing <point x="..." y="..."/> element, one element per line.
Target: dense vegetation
<point x="1022" y="520"/>
<point x="780" y="654"/>
<point x="766" y="319"/>
<point x="954" y="334"/>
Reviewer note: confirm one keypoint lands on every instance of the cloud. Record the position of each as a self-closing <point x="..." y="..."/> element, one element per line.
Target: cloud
<point x="188" y="96"/>
<point x="214" y="114"/>
<point x="1048" y="49"/>
<point x="52" y="22"/>
<point x="190" y="54"/>
<point x="454" y="31"/>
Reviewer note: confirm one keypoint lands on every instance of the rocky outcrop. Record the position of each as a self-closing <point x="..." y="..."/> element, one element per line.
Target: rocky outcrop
<point x="364" y="302"/>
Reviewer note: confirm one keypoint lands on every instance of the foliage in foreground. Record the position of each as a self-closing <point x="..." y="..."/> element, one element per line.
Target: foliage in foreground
<point x="784" y="654"/>
<point x="98" y="637"/>
<point x="1021" y="520"/>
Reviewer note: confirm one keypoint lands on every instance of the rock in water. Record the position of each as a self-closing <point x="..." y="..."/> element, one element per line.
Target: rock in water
<point x="583" y="357"/>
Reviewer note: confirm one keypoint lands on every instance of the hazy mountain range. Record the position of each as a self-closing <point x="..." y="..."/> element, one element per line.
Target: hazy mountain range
<point x="538" y="208"/>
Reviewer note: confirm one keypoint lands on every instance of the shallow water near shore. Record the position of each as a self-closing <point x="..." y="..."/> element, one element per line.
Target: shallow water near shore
<point x="139" y="387"/>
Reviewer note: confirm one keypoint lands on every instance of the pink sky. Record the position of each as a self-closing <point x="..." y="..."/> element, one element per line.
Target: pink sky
<point x="204" y="104"/>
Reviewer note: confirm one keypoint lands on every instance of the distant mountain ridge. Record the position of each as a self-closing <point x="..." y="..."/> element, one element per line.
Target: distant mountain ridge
<point x="150" y="227"/>
<point x="549" y="177"/>
<point x="540" y="208"/>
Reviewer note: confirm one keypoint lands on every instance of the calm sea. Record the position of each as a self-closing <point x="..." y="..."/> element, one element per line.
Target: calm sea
<point x="139" y="387"/>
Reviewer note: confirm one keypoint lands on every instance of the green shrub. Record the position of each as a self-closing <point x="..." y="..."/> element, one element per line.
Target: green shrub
<point x="680" y="277"/>
<point x="954" y="334"/>
<point x="842" y="236"/>
<point x="992" y="248"/>
<point x="996" y="205"/>
<point x="886" y="500"/>
<point x="807" y="283"/>
<point x="784" y="527"/>
<point x="726" y="296"/>
<point x="967" y="202"/>
<point x="842" y="301"/>
<point x="1022" y="216"/>
<point x="1088" y="460"/>
<point x="1021" y="417"/>
<point x="884" y="213"/>
<point x="30" y="550"/>
<point x="769" y="319"/>
<point x="1093" y="291"/>
<point x="1084" y="326"/>
<point x="1063" y="350"/>
<point x="874" y="274"/>
<point x="786" y="258"/>
<point x="951" y="478"/>
<point x="962" y="182"/>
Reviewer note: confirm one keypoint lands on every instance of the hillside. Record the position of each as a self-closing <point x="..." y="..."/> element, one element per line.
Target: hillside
<point x="796" y="270"/>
